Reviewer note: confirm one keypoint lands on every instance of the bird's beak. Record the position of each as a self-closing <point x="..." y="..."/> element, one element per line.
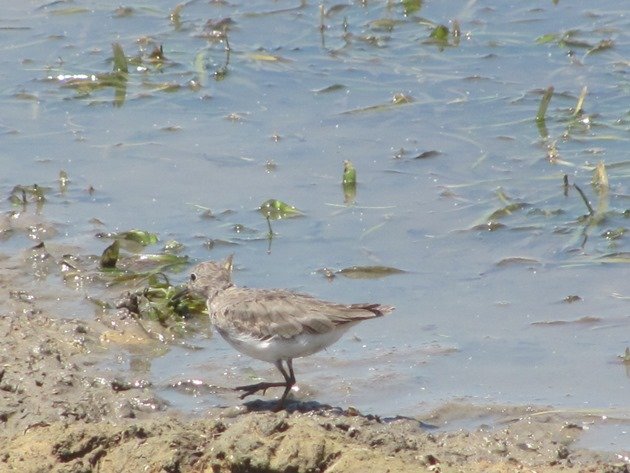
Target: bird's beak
<point x="180" y="294"/>
<point x="227" y="264"/>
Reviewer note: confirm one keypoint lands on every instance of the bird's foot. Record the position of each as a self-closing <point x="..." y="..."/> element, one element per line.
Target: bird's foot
<point x="254" y="388"/>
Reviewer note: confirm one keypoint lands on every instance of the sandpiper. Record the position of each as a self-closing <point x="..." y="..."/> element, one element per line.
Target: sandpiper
<point x="273" y="325"/>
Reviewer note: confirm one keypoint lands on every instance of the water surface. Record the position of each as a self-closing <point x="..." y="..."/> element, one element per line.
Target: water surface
<point x="481" y="315"/>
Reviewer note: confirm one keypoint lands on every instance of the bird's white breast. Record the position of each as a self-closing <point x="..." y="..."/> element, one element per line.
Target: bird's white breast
<point x="278" y="348"/>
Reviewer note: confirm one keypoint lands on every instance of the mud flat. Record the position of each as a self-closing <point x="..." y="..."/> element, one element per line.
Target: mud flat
<point x="61" y="412"/>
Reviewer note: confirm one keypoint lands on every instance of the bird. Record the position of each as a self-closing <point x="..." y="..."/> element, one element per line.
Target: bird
<point x="273" y="325"/>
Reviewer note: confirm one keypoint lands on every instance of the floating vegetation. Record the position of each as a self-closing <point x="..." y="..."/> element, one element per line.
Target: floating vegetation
<point x="586" y="320"/>
<point x="619" y="257"/>
<point x="506" y="211"/>
<point x="440" y="34"/>
<point x="63" y="181"/>
<point x="154" y="298"/>
<point x="275" y="209"/>
<point x="625" y="358"/>
<point x="411" y="6"/>
<point x="580" y="228"/>
<point x="491" y="222"/>
<point x="137" y="266"/>
<point x="575" y="122"/>
<point x="123" y="12"/>
<point x="589" y="207"/>
<point x="603" y="45"/>
<point x="263" y="57"/>
<point x="443" y="37"/>
<point x="173" y="246"/>
<point x="361" y="272"/>
<point x="157" y="54"/>
<point x="349" y="182"/>
<point x="428" y="154"/>
<point x="109" y="258"/>
<point x="544" y="104"/>
<point x="132" y="240"/>
<point x="330" y="89"/>
<point x="69" y="11"/>
<point x="600" y="178"/>
<point x="23" y="195"/>
<point x="349" y="173"/>
<point x="118" y="79"/>
<point x="120" y="61"/>
<point x="159" y="300"/>
<point x="517" y="261"/>
<point x="400" y="98"/>
<point x="402" y="152"/>
<point x="579" y="106"/>
<point x="242" y="229"/>
<point x="369" y="272"/>
<point x="383" y="24"/>
<point x="85" y="84"/>
<point x="489" y="226"/>
<point x="142" y="237"/>
<point x="397" y="99"/>
<point x="614" y="234"/>
<point x="176" y="15"/>
<point x="569" y="40"/>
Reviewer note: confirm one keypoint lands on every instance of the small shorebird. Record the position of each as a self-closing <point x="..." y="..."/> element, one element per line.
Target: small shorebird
<point x="273" y="325"/>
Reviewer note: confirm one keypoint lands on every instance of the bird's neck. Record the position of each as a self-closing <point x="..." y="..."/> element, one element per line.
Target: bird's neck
<point x="214" y="293"/>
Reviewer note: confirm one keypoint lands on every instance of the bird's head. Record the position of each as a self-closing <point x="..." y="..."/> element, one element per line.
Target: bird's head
<point x="209" y="278"/>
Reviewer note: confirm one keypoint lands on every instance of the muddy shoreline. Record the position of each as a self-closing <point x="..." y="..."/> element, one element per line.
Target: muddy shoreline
<point x="60" y="412"/>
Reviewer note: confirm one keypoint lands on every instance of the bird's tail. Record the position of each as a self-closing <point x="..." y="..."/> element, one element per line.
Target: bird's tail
<point x="377" y="309"/>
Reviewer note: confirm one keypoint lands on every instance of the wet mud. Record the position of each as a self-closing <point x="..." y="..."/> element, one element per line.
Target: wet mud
<point x="61" y="411"/>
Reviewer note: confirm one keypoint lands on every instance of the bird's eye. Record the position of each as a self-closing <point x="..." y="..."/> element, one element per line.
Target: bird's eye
<point x="193" y="277"/>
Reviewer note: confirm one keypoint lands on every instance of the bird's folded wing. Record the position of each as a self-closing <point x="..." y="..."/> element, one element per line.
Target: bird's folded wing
<point x="264" y="314"/>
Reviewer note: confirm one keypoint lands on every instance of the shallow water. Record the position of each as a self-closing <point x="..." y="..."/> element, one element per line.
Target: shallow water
<point x="472" y="322"/>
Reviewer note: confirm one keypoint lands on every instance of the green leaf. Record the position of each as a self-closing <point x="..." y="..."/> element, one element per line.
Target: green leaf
<point x="603" y="45"/>
<point x="544" y="104"/>
<point x="173" y="246"/>
<point x="619" y="257"/>
<point x="600" y="178"/>
<point x="330" y="88"/>
<point x="109" y="258"/>
<point x="349" y="182"/>
<point x="349" y="173"/>
<point x="369" y="272"/>
<point x="19" y="194"/>
<point x="63" y="180"/>
<point x="439" y="33"/>
<point x="400" y="98"/>
<point x="614" y="234"/>
<point x="506" y="211"/>
<point x="275" y="209"/>
<point x="383" y="24"/>
<point x="176" y="16"/>
<point x="70" y="11"/>
<point x="428" y="154"/>
<point x="547" y="38"/>
<point x="138" y="236"/>
<point x="120" y="61"/>
<point x="411" y="6"/>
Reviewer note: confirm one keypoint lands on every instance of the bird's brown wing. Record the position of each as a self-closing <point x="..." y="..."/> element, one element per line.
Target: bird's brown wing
<point x="265" y="313"/>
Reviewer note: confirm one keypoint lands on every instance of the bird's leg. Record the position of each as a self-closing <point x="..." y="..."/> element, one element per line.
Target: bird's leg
<point x="289" y="381"/>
